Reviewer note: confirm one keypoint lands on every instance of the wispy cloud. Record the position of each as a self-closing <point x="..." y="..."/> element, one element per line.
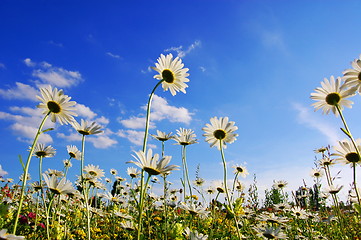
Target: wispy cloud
<point x="269" y="34"/>
<point x="102" y="141"/>
<point x="135" y="137"/>
<point x="20" y="91"/>
<point x="2" y="171"/>
<point x="182" y="52"/>
<point x="2" y="66"/>
<point x="84" y="111"/>
<point x="304" y="117"/>
<point x="149" y="69"/>
<point x="57" y="44"/>
<point x="161" y="110"/>
<point x="28" y="62"/>
<point x="25" y="123"/>
<point x="134" y="122"/>
<point x="56" y="76"/>
<point x="113" y="55"/>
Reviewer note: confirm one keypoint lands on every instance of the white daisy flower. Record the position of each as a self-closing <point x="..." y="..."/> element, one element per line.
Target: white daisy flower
<point x="86" y="128"/>
<point x="150" y="163"/>
<point x="57" y="104"/>
<point x="172" y="73"/>
<point x="331" y="95"/>
<point x="220" y="130"/>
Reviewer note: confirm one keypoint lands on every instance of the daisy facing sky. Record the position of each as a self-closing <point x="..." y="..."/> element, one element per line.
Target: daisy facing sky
<point x="172" y="73"/>
<point x="331" y="95"/>
<point x="256" y="62"/>
<point x="58" y="104"/>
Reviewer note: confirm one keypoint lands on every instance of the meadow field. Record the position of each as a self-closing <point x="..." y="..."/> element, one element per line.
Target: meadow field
<point x="104" y="205"/>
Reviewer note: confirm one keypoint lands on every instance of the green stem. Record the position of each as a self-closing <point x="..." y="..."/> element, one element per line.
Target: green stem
<point x="86" y="197"/>
<point x="66" y="168"/>
<point x="226" y="189"/>
<point x="186" y="171"/>
<point x="162" y="148"/>
<point x="84" y="187"/>
<point x="356" y="148"/>
<point x="148" y="116"/>
<point x="47" y="211"/>
<point x="143" y="189"/>
<point x="82" y="162"/>
<point x="26" y="171"/>
<point x="234" y="183"/>
<point x="165" y="204"/>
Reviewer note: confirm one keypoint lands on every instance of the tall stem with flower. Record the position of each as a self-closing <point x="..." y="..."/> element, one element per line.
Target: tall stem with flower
<point x="352" y="158"/>
<point x="172" y="76"/>
<point x="149" y="163"/>
<point x="219" y="132"/>
<point x="58" y="106"/>
<point x="332" y="97"/>
<point x="26" y="171"/>
<point x="85" y="128"/>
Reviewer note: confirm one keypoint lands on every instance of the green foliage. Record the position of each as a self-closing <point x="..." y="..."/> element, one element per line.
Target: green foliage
<point x="253" y="199"/>
<point x="273" y="197"/>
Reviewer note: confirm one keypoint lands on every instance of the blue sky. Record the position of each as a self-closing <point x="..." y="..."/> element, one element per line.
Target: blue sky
<point x="254" y="61"/>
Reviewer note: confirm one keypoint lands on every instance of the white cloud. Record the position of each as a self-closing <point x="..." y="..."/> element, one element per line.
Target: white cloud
<point x="58" y="77"/>
<point x="135" y="137"/>
<point x="84" y="111"/>
<point x="72" y="137"/>
<point x="270" y="36"/>
<point x="2" y="171"/>
<point x="99" y="141"/>
<point x="304" y="117"/>
<point x="203" y="69"/>
<point x="149" y="69"/>
<point x="102" y="141"/>
<point x="112" y="55"/>
<point x="28" y="62"/>
<point x="2" y="66"/>
<point x="27" y="133"/>
<point x="102" y="120"/>
<point x="162" y="110"/>
<point x="183" y="52"/>
<point x="134" y="122"/>
<point x="20" y="91"/>
<point x="51" y="42"/>
<point x="25" y="126"/>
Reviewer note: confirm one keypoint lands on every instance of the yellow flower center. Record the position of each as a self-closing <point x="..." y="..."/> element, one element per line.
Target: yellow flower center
<point x="359" y="76"/>
<point x="151" y="171"/>
<point x="352" y="157"/>
<point x="54" y="107"/>
<point x="219" y="134"/>
<point x="83" y="132"/>
<point x="168" y="76"/>
<point x="268" y="236"/>
<point x="333" y="99"/>
<point x="221" y="190"/>
<point x="72" y="155"/>
<point x="40" y="153"/>
<point x="55" y="191"/>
